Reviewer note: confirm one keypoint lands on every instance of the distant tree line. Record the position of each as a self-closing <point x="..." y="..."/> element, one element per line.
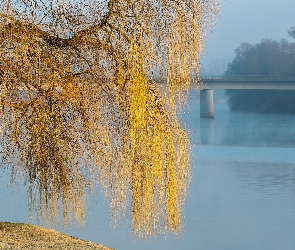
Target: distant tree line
<point x="267" y="58"/>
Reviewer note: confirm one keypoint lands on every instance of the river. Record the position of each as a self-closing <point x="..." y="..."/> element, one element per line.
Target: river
<point x="242" y="195"/>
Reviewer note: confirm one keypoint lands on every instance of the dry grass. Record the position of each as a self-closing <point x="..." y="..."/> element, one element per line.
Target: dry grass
<point x="23" y="236"/>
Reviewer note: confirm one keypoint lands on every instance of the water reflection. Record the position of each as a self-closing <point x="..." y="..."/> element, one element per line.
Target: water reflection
<point x="207" y="130"/>
<point x="242" y="129"/>
<point x="260" y="130"/>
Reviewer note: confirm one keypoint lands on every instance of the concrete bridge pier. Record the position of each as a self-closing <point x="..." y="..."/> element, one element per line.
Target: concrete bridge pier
<point x="206" y="104"/>
<point x="207" y="131"/>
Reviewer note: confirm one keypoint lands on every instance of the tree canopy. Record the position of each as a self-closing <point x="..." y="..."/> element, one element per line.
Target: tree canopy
<point x="80" y="105"/>
<point x="291" y="32"/>
<point x="266" y="58"/>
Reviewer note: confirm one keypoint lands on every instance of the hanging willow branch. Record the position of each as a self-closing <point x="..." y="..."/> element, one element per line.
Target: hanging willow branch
<point x="80" y="106"/>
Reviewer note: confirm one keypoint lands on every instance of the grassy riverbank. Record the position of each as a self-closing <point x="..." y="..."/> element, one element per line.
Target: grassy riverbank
<point x="23" y="236"/>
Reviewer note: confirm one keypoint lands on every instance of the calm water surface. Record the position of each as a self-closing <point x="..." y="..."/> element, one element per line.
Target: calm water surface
<point x="242" y="195"/>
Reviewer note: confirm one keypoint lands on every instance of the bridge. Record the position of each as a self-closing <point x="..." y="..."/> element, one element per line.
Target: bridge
<point x="209" y="83"/>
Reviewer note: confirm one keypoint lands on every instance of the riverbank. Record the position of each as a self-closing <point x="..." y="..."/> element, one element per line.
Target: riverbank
<point x="23" y="236"/>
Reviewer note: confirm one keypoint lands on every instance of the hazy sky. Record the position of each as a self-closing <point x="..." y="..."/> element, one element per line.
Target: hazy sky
<point x="248" y="21"/>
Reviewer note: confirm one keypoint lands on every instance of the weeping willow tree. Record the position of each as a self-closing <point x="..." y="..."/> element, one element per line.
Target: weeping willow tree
<point x="89" y="92"/>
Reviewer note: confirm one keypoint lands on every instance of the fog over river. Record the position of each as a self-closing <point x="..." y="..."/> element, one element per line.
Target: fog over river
<point x="242" y="195"/>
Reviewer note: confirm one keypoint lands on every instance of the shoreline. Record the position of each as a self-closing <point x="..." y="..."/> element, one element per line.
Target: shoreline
<point x="25" y="236"/>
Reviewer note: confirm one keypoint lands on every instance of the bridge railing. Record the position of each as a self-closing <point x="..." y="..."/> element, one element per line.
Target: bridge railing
<point x="248" y="77"/>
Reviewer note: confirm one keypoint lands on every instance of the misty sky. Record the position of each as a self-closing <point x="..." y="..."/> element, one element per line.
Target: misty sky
<point x="248" y="21"/>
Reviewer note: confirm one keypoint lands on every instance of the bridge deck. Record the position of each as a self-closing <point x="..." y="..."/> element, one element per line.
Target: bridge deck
<point x="248" y="82"/>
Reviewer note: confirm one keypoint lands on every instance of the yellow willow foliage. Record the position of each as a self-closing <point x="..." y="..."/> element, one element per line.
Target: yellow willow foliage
<point x="159" y="167"/>
<point x="88" y="95"/>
